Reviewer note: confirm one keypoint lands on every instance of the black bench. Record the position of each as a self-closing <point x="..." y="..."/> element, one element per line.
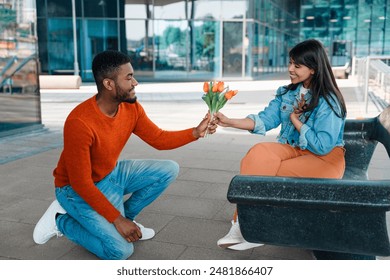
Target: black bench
<point x="337" y="219"/>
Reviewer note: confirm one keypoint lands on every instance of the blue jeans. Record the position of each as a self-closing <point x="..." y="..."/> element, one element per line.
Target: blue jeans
<point x="145" y="180"/>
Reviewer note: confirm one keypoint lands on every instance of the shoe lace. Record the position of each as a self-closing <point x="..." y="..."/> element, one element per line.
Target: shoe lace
<point x="56" y="233"/>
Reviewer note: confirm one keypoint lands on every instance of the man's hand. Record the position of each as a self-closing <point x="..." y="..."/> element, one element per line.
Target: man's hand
<point x="206" y="125"/>
<point x="128" y="229"/>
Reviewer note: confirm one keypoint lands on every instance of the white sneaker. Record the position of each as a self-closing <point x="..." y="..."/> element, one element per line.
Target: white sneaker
<point x="233" y="237"/>
<point x="147" y="233"/>
<point x="46" y="227"/>
<point x="235" y="241"/>
<point x="244" y="246"/>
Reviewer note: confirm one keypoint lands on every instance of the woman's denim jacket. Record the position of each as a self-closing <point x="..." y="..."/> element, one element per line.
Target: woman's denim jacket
<point x="320" y="133"/>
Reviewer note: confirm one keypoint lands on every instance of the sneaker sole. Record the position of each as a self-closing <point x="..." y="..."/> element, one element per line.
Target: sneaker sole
<point x="244" y="246"/>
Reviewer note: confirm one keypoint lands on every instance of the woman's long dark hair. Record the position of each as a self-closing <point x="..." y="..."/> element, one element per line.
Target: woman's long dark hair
<point x="312" y="54"/>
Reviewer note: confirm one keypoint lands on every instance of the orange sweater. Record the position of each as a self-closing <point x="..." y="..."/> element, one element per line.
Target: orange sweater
<point x="94" y="141"/>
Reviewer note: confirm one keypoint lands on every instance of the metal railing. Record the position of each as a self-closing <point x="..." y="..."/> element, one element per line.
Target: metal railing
<point x="373" y="76"/>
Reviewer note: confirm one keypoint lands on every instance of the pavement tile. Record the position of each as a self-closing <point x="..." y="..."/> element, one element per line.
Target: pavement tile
<point x="187" y="188"/>
<point x="197" y="253"/>
<point x="152" y="250"/>
<point x="185" y="206"/>
<point x="20" y="245"/>
<point x="194" y="232"/>
<point x="78" y="253"/>
<point x="281" y="253"/>
<point x="216" y="191"/>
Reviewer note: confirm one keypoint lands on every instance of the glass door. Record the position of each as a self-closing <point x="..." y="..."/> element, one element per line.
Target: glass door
<point x="232" y="49"/>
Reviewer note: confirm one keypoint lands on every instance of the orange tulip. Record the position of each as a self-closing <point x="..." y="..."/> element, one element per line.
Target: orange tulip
<point x="206" y="87"/>
<point x="221" y="86"/>
<point x="230" y="94"/>
<point x="215" y="87"/>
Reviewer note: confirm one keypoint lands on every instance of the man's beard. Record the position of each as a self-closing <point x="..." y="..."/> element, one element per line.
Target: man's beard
<point x="130" y="100"/>
<point x="120" y="93"/>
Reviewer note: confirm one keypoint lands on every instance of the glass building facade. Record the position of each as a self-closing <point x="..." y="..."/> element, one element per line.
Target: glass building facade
<point x="170" y="39"/>
<point x="206" y="39"/>
<point x="19" y="91"/>
<point x="347" y="27"/>
<point x="173" y="40"/>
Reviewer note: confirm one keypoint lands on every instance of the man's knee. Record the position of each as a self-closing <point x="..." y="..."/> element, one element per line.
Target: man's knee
<point x="120" y="251"/>
<point x="172" y="169"/>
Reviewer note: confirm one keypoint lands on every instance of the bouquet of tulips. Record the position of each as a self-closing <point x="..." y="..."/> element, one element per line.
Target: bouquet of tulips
<point x="216" y="95"/>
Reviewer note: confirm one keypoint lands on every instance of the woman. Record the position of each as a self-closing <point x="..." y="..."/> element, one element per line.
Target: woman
<point x="311" y="111"/>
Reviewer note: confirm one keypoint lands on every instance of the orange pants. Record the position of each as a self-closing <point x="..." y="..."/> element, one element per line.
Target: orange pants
<point x="276" y="159"/>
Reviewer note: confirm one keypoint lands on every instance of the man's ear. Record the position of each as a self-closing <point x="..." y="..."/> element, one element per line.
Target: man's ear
<point x="108" y="84"/>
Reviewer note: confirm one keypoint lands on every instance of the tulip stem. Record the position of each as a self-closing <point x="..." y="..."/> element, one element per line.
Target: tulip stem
<point x="207" y="130"/>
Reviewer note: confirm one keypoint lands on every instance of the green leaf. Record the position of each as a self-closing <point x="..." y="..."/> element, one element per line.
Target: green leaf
<point x="214" y="102"/>
<point x="206" y="99"/>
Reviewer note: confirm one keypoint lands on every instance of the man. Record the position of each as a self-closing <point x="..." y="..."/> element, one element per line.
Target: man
<point x="90" y="182"/>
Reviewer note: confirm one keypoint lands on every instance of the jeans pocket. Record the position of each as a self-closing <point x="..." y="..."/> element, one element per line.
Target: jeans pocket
<point x="66" y="192"/>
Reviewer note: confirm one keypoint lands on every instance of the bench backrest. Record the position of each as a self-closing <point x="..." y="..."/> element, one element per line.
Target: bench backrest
<point x="361" y="138"/>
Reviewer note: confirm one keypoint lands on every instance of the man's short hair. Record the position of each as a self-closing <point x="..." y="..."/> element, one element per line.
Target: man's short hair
<point x="106" y="65"/>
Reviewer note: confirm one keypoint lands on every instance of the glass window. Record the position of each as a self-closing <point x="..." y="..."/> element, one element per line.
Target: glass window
<point x="41" y="8"/>
<point x="100" y="8"/>
<point x="58" y="8"/>
<point x="42" y="45"/>
<point x="205" y="48"/>
<point x="139" y="47"/>
<point x="387" y="41"/>
<point x="171" y="45"/>
<point x="97" y="36"/>
<point x="349" y="16"/>
<point x="172" y="10"/>
<point x="377" y="47"/>
<point x="205" y="9"/>
<point x="232" y="9"/>
<point x="60" y="38"/>
<point x="142" y="11"/>
<point x="362" y="42"/>
<point x="232" y="49"/>
<point x="19" y="94"/>
<point x="292" y="7"/>
<point x="269" y="16"/>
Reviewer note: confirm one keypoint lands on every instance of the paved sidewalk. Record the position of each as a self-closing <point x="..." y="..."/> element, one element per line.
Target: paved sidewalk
<point x="191" y="215"/>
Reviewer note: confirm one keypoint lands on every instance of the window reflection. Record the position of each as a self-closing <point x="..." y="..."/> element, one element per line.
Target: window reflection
<point x="169" y="9"/>
<point x="207" y="9"/>
<point x="187" y="36"/>
<point x="19" y="95"/>
<point x="232" y="49"/>
<point x="171" y="44"/>
<point x="98" y="35"/>
<point x="60" y="38"/>
<point x="138" y="10"/>
<point x="139" y="44"/>
<point x="100" y="8"/>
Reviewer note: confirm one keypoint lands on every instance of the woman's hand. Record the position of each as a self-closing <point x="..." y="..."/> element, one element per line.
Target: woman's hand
<point x="301" y="106"/>
<point x="222" y="120"/>
<point x="294" y="116"/>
